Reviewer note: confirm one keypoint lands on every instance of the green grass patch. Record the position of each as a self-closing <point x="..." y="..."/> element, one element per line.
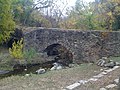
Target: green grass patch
<point x="116" y="59"/>
<point x="51" y="80"/>
<point x="6" y="62"/>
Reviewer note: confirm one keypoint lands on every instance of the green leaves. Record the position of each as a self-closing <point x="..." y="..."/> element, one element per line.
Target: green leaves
<point x="6" y="20"/>
<point x="110" y="9"/>
<point x="29" y="54"/>
<point x="95" y="16"/>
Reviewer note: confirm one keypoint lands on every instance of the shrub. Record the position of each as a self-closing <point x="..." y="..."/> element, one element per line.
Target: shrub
<point x="17" y="52"/>
<point x="29" y="54"/>
<point x="17" y="49"/>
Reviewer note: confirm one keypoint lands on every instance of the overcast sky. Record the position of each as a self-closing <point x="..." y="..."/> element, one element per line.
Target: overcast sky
<point x="72" y="2"/>
<point x="62" y="3"/>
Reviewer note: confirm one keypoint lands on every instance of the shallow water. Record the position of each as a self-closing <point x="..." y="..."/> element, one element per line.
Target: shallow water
<point x="30" y="68"/>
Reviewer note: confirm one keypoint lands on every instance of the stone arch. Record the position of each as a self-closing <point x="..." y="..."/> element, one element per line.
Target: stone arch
<point x="51" y="50"/>
<point x="61" y="53"/>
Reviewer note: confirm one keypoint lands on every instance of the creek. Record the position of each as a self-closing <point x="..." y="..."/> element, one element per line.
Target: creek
<point x="25" y="69"/>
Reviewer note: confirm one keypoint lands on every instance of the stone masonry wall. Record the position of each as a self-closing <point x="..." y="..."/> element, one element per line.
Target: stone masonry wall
<point x="86" y="46"/>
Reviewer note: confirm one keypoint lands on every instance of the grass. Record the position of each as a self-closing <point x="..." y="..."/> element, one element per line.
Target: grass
<point x="51" y="80"/>
<point x="5" y="59"/>
<point x="58" y="79"/>
<point x="117" y="59"/>
<point x="5" y="62"/>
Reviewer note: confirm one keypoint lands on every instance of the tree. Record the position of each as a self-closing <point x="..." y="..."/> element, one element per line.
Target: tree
<point x="24" y="8"/>
<point x="39" y="20"/>
<point x="82" y="16"/>
<point x="55" y="12"/>
<point x="7" y="25"/>
<point x="98" y="15"/>
<point x="109" y="9"/>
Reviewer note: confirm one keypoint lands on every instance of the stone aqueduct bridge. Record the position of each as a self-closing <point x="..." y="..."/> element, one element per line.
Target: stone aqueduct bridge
<point x="85" y="45"/>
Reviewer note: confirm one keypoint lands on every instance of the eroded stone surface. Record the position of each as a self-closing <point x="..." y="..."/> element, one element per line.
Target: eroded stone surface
<point x="111" y="86"/>
<point x="116" y="81"/>
<point x="70" y="87"/>
<point x="56" y="66"/>
<point x="103" y="89"/>
<point x="40" y="71"/>
<point x="87" y="46"/>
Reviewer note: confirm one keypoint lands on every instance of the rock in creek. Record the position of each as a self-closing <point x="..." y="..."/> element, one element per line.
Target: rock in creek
<point x="56" y="66"/>
<point x="104" y="62"/>
<point x="40" y="71"/>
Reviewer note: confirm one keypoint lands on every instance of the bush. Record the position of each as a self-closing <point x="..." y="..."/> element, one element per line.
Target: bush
<point x="29" y="54"/>
<point x="17" y="52"/>
<point x="17" y="49"/>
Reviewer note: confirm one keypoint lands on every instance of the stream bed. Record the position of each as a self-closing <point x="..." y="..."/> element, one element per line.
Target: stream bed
<point x="25" y="69"/>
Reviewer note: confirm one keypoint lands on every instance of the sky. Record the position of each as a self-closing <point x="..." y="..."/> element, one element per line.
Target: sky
<point x="72" y="2"/>
<point x="62" y="3"/>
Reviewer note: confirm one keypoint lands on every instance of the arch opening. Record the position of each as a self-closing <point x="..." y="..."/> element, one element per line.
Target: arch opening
<point x="60" y="53"/>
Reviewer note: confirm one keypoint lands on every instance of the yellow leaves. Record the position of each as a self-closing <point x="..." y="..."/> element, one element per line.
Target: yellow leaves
<point x="38" y="18"/>
<point x="109" y="13"/>
<point x="69" y="23"/>
<point x="16" y="50"/>
<point x="19" y="8"/>
<point x="104" y="34"/>
<point x="100" y="5"/>
<point x="115" y="1"/>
